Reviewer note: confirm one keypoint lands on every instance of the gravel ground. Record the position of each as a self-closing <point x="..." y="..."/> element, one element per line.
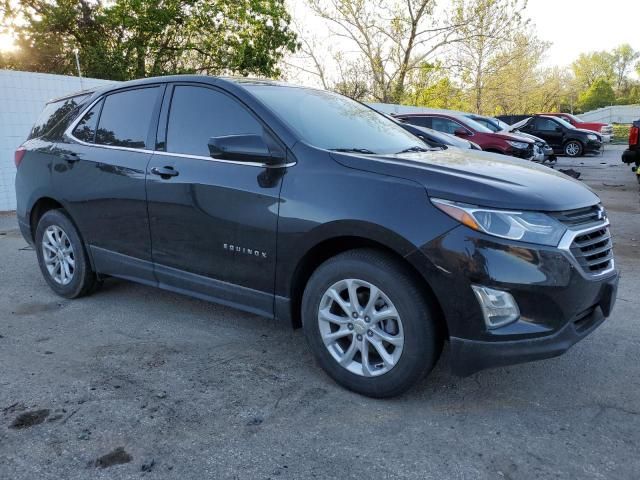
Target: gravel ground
<point x="135" y="382"/>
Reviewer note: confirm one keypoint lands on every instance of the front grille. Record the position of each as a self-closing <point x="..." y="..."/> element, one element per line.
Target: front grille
<point x="581" y="216"/>
<point x="592" y="249"/>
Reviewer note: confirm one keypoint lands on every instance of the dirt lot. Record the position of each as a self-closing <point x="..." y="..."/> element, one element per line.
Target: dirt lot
<point x="135" y="382"/>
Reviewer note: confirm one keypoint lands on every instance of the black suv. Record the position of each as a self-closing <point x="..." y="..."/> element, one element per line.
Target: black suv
<point x="563" y="137"/>
<point x="309" y="207"/>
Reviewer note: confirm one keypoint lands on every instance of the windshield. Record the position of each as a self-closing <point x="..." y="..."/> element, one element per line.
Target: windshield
<point x="473" y="125"/>
<point x="334" y="122"/>
<point x="519" y="124"/>
<point x="502" y="125"/>
<point x="571" y="117"/>
<point x="564" y="123"/>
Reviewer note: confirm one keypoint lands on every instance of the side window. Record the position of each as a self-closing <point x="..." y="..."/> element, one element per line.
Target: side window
<point x="199" y="113"/>
<point x="419" y="121"/>
<point x="54" y="113"/>
<point x="126" y="117"/>
<point x="86" y="128"/>
<point x="445" y="125"/>
<point x="545" y="125"/>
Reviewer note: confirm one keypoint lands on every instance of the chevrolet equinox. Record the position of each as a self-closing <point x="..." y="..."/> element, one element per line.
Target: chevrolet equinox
<point x="306" y="206"/>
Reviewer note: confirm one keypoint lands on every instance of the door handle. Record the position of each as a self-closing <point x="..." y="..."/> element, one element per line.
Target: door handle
<point x="165" y="172"/>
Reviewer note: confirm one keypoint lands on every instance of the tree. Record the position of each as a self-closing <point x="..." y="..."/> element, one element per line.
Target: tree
<point x="623" y="59"/>
<point x="392" y="38"/>
<point x="593" y="66"/>
<point x="124" y="39"/>
<point x="600" y="94"/>
<point x="430" y="86"/>
<point x="488" y="35"/>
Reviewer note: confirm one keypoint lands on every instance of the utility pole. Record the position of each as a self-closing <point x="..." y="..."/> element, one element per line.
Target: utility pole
<point x="75" y="51"/>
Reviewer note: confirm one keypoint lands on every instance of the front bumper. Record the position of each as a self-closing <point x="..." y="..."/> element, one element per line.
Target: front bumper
<point x="559" y="303"/>
<point x="525" y="153"/>
<point x="593" y="146"/>
<point x="470" y="356"/>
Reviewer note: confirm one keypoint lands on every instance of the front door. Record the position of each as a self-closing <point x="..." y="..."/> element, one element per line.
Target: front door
<point x="213" y="222"/>
<point x="547" y="129"/>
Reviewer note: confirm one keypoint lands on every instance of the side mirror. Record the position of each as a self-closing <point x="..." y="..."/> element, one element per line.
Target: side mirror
<point x="244" y="148"/>
<point x="461" y="132"/>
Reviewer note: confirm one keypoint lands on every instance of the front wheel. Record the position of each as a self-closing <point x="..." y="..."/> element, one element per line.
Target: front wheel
<point x="62" y="257"/>
<point x="573" y="148"/>
<point x="368" y="324"/>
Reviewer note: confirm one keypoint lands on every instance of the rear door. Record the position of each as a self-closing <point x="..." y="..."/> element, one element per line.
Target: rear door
<point x="100" y="177"/>
<point x="213" y="222"/>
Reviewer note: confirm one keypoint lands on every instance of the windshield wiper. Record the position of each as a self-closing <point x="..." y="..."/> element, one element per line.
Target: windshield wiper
<point x="414" y="149"/>
<point x="353" y="150"/>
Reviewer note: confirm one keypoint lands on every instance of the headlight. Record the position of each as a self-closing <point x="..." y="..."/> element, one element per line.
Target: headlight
<point x="530" y="227"/>
<point x="519" y="145"/>
<point x="591" y="136"/>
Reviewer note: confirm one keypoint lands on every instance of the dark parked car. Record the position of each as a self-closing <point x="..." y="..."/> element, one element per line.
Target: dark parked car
<point x="543" y="152"/>
<point x="464" y="127"/>
<point x="309" y="207"/>
<point x="632" y="154"/>
<point x="563" y="137"/>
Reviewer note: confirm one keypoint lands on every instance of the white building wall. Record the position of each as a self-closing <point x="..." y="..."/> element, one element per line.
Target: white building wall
<point x="22" y="98"/>
<point x="615" y="114"/>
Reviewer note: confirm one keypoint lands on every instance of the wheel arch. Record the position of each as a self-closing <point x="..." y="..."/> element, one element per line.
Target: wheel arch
<point x="39" y="208"/>
<point x="329" y="247"/>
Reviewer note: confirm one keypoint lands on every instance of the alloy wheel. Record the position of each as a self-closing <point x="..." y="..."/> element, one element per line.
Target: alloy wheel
<point x="360" y="327"/>
<point x="58" y="255"/>
<point x="572" y="149"/>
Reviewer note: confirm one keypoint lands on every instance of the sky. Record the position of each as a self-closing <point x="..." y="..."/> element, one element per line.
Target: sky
<point x="577" y="26"/>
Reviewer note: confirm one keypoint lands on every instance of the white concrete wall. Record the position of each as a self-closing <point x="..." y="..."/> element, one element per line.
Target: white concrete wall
<point x="614" y="114"/>
<point x="22" y="98"/>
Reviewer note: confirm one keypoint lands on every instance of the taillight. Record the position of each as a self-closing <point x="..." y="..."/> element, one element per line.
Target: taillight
<point x="634" y="135"/>
<point x="19" y="155"/>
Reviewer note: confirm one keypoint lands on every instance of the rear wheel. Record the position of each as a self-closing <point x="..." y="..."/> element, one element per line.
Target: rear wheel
<point x="573" y="148"/>
<point x="62" y="257"/>
<point x="368" y="324"/>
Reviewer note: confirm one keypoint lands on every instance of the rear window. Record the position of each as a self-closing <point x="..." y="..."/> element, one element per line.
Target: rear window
<point x="54" y="113"/>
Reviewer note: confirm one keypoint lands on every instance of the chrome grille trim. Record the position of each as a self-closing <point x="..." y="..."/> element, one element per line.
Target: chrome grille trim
<point x="590" y="249"/>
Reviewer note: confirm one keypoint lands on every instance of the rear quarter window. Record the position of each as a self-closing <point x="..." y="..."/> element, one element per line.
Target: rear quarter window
<point x="57" y="115"/>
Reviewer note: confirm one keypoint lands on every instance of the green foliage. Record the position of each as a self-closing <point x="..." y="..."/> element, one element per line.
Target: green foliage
<point x="600" y="94"/>
<point x="621" y="132"/>
<point x="593" y="66"/>
<point x="125" y="39"/>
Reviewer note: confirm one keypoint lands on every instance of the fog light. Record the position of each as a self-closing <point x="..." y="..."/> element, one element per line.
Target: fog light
<point x="499" y="308"/>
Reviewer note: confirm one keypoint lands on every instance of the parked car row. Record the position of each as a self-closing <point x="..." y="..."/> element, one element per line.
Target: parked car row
<point x="535" y="137"/>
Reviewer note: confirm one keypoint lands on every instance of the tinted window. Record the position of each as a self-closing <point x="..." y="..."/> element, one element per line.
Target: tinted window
<point x="445" y="125"/>
<point x="86" y="128"/>
<point x="54" y="113"/>
<point x="545" y="125"/>
<point x="331" y="121"/>
<point x="125" y="118"/>
<point x="419" y="121"/>
<point x="199" y="113"/>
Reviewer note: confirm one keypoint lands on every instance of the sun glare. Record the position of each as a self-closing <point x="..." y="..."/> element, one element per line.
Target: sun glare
<point x="7" y="43"/>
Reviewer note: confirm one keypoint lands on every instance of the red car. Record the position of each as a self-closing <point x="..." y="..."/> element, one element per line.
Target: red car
<point x="604" y="129"/>
<point x="467" y="128"/>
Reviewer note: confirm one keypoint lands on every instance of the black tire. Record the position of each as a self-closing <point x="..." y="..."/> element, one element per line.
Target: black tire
<point x="422" y="337"/>
<point x="83" y="279"/>
<point x="573" y="148"/>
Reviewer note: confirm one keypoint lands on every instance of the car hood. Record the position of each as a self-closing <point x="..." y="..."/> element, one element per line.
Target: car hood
<point x="480" y="178"/>
<point x="514" y="137"/>
<point x="585" y="131"/>
<point x="525" y="135"/>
